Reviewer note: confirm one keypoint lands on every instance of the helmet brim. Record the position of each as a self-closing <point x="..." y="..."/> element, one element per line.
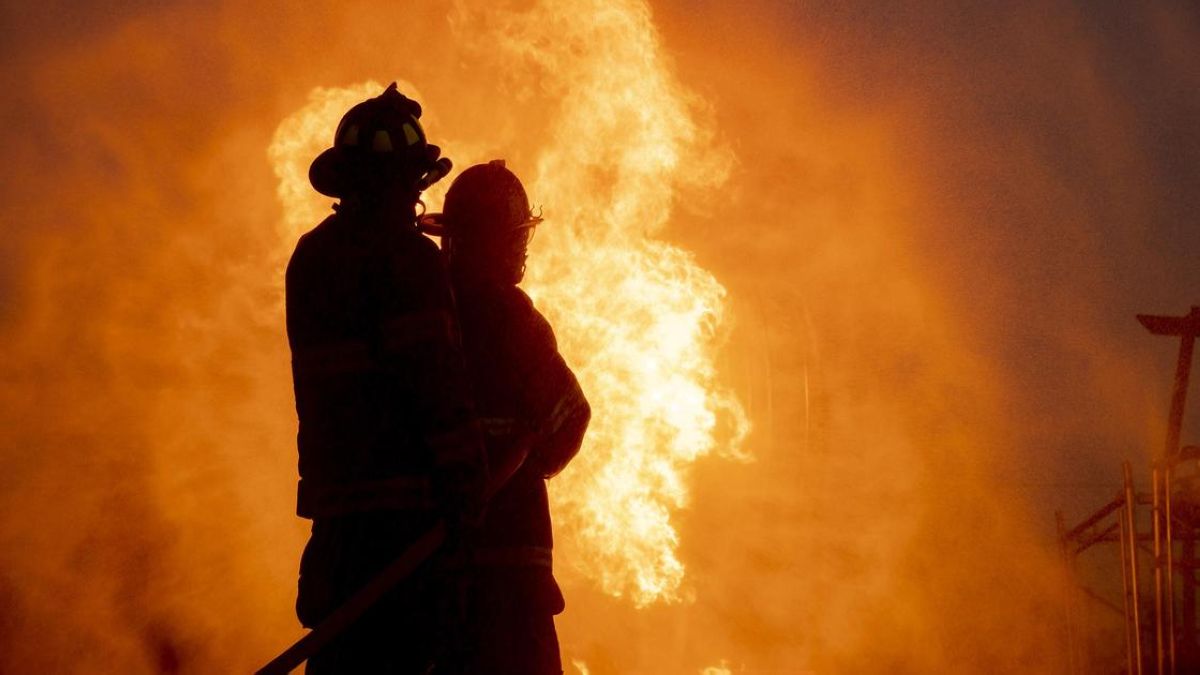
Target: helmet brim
<point x="334" y="173"/>
<point x="435" y="224"/>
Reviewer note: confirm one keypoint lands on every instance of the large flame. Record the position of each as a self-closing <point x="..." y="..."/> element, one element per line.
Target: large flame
<point x="636" y="317"/>
<point x="933" y="228"/>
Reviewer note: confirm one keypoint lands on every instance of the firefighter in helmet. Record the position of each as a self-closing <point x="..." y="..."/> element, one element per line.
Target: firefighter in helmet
<point x="532" y="412"/>
<point x="388" y="439"/>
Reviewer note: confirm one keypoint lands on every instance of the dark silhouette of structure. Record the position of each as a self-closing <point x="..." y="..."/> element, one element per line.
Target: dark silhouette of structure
<point x="388" y="441"/>
<point x="533" y="414"/>
<point x="1161" y="635"/>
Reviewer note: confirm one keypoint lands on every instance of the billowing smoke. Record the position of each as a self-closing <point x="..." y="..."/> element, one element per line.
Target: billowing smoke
<point x="934" y="231"/>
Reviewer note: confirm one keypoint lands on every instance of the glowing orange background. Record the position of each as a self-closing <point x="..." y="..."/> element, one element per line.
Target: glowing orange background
<point x="935" y="229"/>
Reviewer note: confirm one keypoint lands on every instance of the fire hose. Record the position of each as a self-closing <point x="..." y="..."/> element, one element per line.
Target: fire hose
<point x="396" y="571"/>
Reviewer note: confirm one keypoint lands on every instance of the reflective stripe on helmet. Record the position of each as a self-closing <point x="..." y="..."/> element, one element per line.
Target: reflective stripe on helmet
<point x="410" y="134"/>
<point x="349" y="136"/>
<point x="382" y="142"/>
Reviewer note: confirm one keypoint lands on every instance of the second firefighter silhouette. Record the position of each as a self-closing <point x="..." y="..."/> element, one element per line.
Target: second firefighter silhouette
<point x="533" y="415"/>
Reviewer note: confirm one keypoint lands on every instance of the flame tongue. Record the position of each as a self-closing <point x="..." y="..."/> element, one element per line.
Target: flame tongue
<point x="637" y="318"/>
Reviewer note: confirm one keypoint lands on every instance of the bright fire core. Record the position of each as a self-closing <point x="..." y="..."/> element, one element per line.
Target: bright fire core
<point x="637" y="318"/>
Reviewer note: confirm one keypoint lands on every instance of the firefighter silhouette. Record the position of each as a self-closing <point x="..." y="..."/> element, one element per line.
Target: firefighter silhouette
<point x="532" y="412"/>
<point x="388" y="440"/>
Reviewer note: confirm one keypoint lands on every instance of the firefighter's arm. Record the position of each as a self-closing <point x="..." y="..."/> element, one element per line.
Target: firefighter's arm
<point x="421" y="340"/>
<point x="562" y="431"/>
<point x="561" y="411"/>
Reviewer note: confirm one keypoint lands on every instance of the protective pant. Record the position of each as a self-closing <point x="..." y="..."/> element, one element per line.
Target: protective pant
<point x="512" y="623"/>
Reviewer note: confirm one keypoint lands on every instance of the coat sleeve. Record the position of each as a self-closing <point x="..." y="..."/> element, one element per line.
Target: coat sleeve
<point x="558" y="409"/>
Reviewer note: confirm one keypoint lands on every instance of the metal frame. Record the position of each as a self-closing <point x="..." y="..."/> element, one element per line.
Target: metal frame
<point x="1165" y="534"/>
<point x="1185" y="328"/>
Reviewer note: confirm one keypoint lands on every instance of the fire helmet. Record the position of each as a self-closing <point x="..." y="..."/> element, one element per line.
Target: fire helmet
<point x="487" y="223"/>
<point x="485" y="201"/>
<point x="376" y="142"/>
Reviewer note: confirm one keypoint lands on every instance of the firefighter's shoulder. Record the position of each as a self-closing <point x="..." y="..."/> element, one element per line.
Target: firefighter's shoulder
<point x="312" y="250"/>
<point x="312" y="239"/>
<point x="536" y="328"/>
<point x="411" y="258"/>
